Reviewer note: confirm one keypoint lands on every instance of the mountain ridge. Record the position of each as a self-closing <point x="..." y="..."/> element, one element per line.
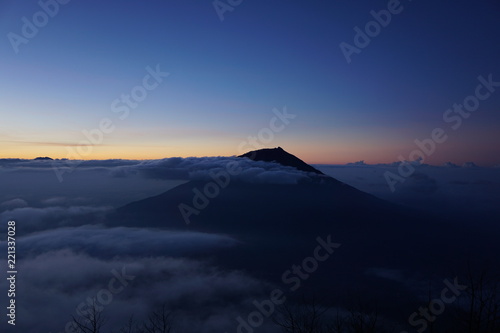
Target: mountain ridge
<point x="279" y="155"/>
<point x="318" y="192"/>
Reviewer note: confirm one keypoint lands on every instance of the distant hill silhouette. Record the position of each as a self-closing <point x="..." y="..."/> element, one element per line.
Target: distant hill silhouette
<point x="280" y="156"/>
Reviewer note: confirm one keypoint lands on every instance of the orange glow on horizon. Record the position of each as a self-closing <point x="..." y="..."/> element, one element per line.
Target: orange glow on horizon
<point x="312" y="154"/>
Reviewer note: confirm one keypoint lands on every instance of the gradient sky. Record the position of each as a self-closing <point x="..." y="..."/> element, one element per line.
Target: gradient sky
<point x="226" y="77"/>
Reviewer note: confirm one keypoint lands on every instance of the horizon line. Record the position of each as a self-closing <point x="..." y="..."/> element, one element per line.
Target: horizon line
<point x="356" y="163"/>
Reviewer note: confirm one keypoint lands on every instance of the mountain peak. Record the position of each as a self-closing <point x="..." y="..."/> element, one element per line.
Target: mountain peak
<point x="279" y="155"/>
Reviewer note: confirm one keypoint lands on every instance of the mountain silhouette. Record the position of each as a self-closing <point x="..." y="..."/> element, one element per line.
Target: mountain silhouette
<point x="319" y="195"/>
<point x="282" y="157"/>
<point x="277" y="224"/>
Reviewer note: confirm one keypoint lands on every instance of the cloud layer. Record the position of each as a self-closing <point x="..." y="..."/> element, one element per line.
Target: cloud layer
<point x="66" y="255"/>
<point x="441" y="188"/>
<point x="114" y="183"/>
<point x="110" y="242"/>
<point x="204" y="298"/>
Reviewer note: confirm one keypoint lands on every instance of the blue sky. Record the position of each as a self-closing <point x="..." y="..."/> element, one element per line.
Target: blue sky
<point x="227" y="76"/>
